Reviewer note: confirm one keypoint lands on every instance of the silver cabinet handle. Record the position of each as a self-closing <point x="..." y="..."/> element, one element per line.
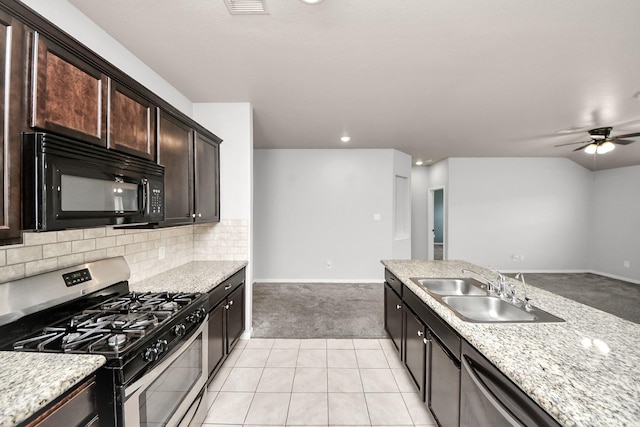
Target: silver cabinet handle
<point x="193" y="215"/>
<point x="231" y="302"/>
<point x="226" y="307"/>
<point x="398" y="306"/>
<point x="420" y="333"/>
<point x="199" y="215"/>
<point x="226" y="288"/>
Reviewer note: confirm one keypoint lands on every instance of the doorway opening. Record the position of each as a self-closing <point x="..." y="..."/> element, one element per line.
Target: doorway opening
<point x="436" y="238"/>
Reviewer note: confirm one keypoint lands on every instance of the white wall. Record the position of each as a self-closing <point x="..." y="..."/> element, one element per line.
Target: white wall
<point x="500" y="207"/>
<point x="616" y="223"/>
<point x="233" y="122"/>
<point x="314" y="206"/>
<point x="419" y="213"/>
<point x="71" y="20"/>
<point x="401" y="244"/>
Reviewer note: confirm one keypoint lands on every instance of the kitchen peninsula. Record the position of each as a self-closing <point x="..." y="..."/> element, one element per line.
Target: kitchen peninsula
<point x="583" y="371"/>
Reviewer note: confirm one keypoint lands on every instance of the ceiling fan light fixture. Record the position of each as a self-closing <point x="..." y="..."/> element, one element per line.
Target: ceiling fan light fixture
<point x="591" y="149"/>
<point x="605" y="147"/>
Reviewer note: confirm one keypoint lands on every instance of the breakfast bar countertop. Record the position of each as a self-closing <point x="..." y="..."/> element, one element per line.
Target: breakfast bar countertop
<point x="584" y="371"/>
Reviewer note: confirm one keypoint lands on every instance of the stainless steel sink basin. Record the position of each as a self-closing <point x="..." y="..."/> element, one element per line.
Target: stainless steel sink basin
<point x="489" y="309"/>
<point x="451" y="286"/>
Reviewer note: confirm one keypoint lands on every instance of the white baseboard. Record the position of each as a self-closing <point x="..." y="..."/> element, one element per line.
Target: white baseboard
<point x="246" y="334"/>
<point x="613" y="276"/>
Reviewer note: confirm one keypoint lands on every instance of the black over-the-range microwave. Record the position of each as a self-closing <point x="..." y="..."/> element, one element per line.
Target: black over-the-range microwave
<point x="73" y="184"/>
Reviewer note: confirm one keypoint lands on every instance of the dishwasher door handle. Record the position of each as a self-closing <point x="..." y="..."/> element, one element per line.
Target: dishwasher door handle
<point x="495" y="403"/>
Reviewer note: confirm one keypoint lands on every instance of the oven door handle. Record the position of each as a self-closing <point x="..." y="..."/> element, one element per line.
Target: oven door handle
<point x="149" y="377"/>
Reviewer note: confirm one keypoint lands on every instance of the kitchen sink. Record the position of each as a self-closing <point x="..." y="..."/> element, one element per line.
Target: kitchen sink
<point x="452" y="286"/>
<point x="489" y="309"/>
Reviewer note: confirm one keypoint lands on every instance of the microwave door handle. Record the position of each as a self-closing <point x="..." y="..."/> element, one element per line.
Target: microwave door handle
<point x="145" y="195"/>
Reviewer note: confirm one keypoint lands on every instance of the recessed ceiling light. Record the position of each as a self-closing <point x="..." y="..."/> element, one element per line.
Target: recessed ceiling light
<point x="419" y="163"/>
<point x="311" y="2"/>
<point x="345" y="138"/>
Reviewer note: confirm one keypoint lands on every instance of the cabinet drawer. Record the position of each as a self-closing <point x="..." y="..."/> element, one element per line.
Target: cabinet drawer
<point x="221" y="291"/>
<point x="78" y="408"/>
<point x="393" y="281"/>
<point x="439" y="328"/>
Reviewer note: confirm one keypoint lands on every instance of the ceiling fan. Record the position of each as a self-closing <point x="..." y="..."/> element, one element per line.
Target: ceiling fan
<point x="601" y="142"/>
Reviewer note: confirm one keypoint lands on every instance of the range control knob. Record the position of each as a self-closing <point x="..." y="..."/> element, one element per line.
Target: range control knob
<point x="179" y="330"/>
<point x="197" y="316"/>
<point x="150" y="354"/>
<point x="162" y="346"/>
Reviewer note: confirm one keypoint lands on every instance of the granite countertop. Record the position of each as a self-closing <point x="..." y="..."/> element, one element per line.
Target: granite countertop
<point x="196" y="276"/>
<point x="30" y="381"/>
<point x="584" y="372"/>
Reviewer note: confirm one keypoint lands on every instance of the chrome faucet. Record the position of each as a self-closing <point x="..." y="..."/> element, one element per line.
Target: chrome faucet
<point x="526" y="300"/>
<point x="490" y="285"/>
<point x="501" y="283"/>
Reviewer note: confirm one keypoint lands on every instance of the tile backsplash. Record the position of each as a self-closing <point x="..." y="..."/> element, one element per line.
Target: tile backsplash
<point x="42" y="252"/>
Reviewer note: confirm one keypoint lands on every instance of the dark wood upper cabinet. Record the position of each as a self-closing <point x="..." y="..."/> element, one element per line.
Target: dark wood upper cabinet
<point x="206" y="179"/>
<point x="68" y="94"/>
<point x="175" y="153"/>
<point x="12" y="109"/>
<point x="192" y="171"/>
<point x="132" y="122"/>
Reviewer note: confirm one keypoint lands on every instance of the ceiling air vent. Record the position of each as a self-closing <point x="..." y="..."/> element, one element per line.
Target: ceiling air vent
<point x="246" y="7"/>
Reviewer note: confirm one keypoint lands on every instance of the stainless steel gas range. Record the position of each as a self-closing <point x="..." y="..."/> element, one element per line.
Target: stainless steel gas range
<point x="154" y="343"/>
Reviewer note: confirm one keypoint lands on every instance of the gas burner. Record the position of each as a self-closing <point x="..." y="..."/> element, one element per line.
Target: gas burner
<point x="169" y="306"/>
<point x="71" y="337"/>
<point x="116" y="341"/>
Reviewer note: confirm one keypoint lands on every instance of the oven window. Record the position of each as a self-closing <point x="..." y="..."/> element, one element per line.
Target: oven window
<point x="81" y="194"/>
<point x="163" y="397"/>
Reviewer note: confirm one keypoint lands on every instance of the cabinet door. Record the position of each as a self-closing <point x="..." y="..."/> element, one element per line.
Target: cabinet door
<point x="216" y="340"/>
<point x="68" y="95"/>
<point x="12" y="81"/>
<point x="132" y="122"/>
<point x="393" y="317"/>
<point x="235" y="317"/>
<point x="175" y="154"/>
<point x="415" y="354"/>
<point x="206" y="179"/>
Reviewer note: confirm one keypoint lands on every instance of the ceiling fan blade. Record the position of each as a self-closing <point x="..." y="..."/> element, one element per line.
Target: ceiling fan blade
<point x="626" y="135"/>
<point x="622" y="141"/>
<point x="583" y="147"/>
<point x="572" y="143"/>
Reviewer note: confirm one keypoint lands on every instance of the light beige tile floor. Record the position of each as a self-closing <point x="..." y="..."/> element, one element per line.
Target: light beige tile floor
<point x="314" y="382"/>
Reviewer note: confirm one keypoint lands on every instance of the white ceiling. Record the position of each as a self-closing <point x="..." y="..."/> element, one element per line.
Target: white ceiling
<point x="432" y="78"/>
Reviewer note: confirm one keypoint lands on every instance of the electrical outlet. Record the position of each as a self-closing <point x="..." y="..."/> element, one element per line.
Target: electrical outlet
<point x="161" y="252"/>
<point x="626" y="264"/>
<point x="521" y="257"/>
<point x="328" y="264"/>
<point x="515" y="257"/>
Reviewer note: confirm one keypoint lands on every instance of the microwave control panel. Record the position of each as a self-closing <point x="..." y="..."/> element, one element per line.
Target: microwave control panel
<point x="156" y="198"/>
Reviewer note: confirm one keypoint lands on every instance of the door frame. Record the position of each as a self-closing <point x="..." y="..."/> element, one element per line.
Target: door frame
<point x="431" y="222"/>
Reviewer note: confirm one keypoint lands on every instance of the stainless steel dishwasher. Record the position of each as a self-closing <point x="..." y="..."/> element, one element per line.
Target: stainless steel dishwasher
<point x="445" y="385"/>
<point x="489" y="398"/>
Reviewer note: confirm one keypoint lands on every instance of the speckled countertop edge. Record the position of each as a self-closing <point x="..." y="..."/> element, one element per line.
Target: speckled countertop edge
<point x="196" y="276"/>
<point x="30" y="381"/>
<point x="584" y="372"/>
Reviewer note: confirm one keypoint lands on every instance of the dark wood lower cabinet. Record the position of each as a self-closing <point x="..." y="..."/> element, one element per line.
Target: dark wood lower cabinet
<point x="76" y="408"/>
<point x="415" y="354"/>
<point x="235" y="317"/>
<point x="226" y="319"/>
<point x="393" y="317"/>
<point x="216" y="341"/>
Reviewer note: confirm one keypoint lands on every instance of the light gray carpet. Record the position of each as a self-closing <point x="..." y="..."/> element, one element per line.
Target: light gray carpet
<point x="613" y="296"/>
<point x="318" y="310"/>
